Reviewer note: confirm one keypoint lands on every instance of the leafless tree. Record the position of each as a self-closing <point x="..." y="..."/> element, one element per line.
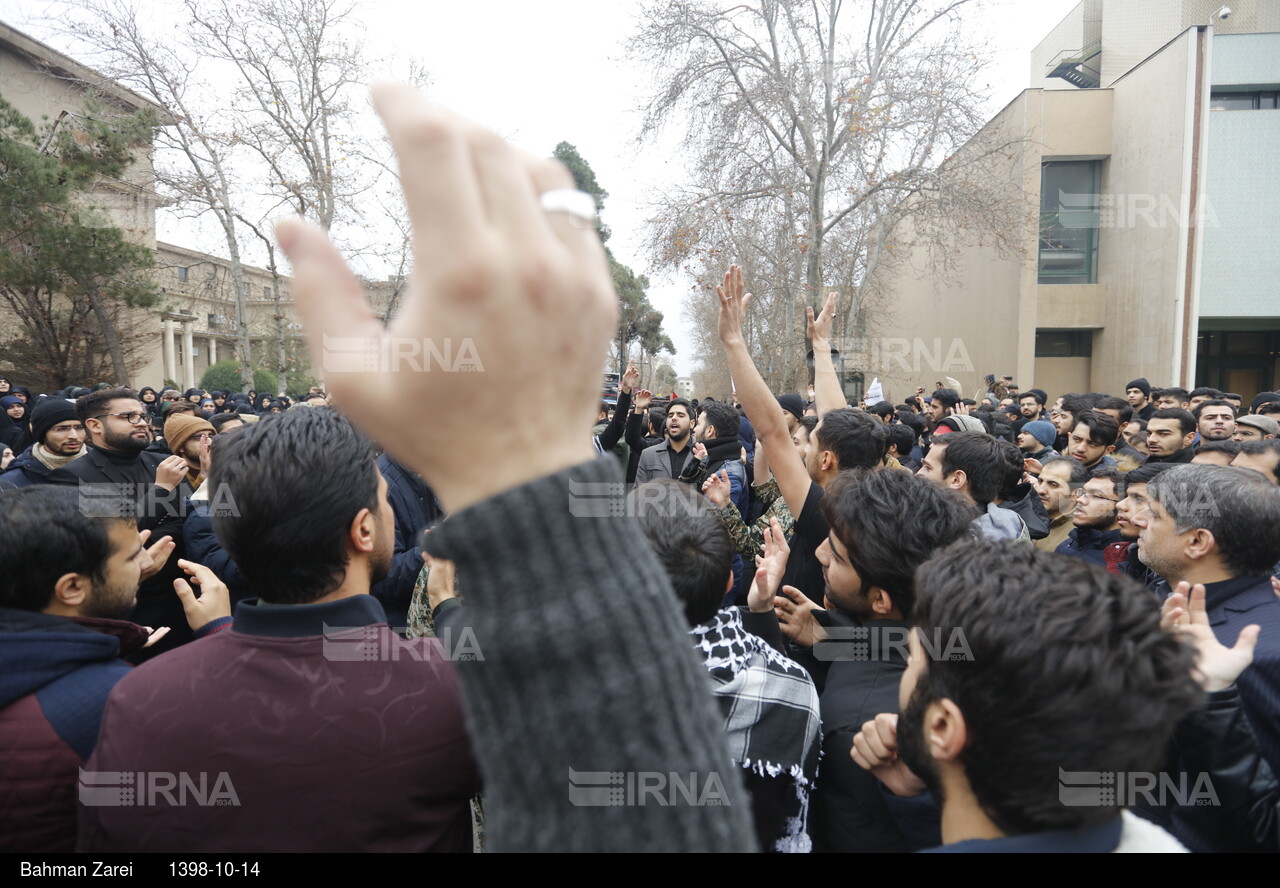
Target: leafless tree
<point x="825" y="138"/>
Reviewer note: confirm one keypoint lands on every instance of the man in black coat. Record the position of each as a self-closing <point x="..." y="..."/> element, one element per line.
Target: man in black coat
<point x="119" y="476"/>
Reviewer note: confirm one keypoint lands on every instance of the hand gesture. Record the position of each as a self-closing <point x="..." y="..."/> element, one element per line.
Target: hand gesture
<point x="699" y="451"/>
<point x="1217" y="666"/>
<point x="1032" y="466"/>
<point x="156" y="555"/>
<point x="214" y="600"/>
<point x="795" y="617"/>
<point x="961" y="409"/>
<point x="769" y="569"/>
<point x="875" y="749"/>
<point x="716" y="488"/>
<point x="441" y="581"/>
<point x="518" y="291"/>
<point x="170" y="472"/>
<point x="644" y="398"/>
<point x="154" y="635"/>
<point x="819" y="329"/>
<point x="629" y="380"/>
<point x="733" y="305"/>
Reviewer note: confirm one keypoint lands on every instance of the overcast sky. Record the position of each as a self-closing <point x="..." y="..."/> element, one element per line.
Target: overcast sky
<point x="543" y="71"/>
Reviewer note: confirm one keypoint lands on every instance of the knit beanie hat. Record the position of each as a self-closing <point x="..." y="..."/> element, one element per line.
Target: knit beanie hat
<point x="792" y="404"/>
<point x="1140" y="383"/>
<point x="1043" y="431"/>
<point x="181" y="427"/>
<point x="1256" y="403"/>
<point x="49" y="413"/>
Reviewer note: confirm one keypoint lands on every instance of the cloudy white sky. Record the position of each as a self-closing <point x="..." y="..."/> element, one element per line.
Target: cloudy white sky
<point x="543" y="71"/>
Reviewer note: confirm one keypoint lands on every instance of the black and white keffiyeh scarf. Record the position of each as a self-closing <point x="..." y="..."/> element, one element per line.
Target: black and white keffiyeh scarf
<point x="771" y="711"/>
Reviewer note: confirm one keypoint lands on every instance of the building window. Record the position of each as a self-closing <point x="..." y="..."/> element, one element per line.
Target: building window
<point x="1264" y="100"/>
<point x="1064" y="343"/>
<point x="266" y="292"/>
<point x="1069" y="202"/>
<point x="182" y="274"/>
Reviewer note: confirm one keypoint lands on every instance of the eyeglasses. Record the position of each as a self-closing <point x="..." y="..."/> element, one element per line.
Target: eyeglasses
<point x="1084" y="494"/>
<point x="131" y="418"/>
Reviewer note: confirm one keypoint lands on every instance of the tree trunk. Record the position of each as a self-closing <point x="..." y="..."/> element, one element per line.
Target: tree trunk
<point x="109" y="335"/>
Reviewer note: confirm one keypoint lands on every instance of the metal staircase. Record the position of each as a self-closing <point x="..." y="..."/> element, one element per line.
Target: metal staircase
<point x="1072" y="66"/>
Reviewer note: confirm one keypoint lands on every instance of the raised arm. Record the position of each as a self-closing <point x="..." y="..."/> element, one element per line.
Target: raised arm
<point x="828" y="393"/>
<point x="757" y="401"/>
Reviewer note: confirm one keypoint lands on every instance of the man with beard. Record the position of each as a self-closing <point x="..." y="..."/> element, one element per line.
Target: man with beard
<point x="1170" y="435"/>
<point x="1215" y="420"/>
<point x="995" y="737"/>
<point x="317" y="744"/>
<point x="59" y="438"/>
<point x="720" y="450"/>
<point x="68" y="585"/>
<point x="120" y="476"/>
<point x="1220" y="527"/>
<point x="666" y="460"/>
<point x="1097" y="536"/>
<point x="1060" y="478"/>
<point x="883" y="524"/>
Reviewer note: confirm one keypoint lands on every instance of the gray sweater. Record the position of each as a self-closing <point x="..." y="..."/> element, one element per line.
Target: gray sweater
<point x="583" y="665"/>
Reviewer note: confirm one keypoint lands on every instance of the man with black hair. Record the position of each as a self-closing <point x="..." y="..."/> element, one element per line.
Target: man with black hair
<point x="667" y="459"/>
<point x="1031" y="406"/>
<point x="992" y="735"/>
<point x="69" y="584"/>
<point x="882" y="525"/>
<point x="943" y="403"/>
<point x="310" y="551"/>
<point x="1262" y="457"/>
<point x="1138" y="394"/>
<point x="1171" y="433"/>
<point x="1171" y="398"/>
<point x="1060" y="477"/>
<point x="1092" y="440"/>
<point x="1220" y="527"/>
<point x="902" y="443"/>
<point x="1097" y="536"/>
<point x="120" y="476"/>
<point x="1215" y="453"/>
<point x="721" y="449"/>
<point x="769" y="702"/>
<point x="1198" y="396"/>
<point x="973" y="464"/>
<point x="1019" y="495"/>
<point x="1215" y="419"/>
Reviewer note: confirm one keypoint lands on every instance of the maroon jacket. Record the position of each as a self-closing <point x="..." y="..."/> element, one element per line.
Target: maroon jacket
<point x="301" y="728"/>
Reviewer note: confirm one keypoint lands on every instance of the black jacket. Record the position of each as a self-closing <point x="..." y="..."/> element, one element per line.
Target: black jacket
<point x="1026" y="504"/>
<point x="413" y="502"/>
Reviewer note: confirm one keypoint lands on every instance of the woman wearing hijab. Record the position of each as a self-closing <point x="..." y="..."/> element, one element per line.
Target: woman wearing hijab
<point x="150" y="399"/>
<point x="263" y="403"/>
<point x="16" y="433"/>
<point x="207" y="408"/>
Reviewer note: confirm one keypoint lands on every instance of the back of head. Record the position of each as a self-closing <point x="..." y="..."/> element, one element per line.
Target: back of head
<point x="1015" y="467"/>
<point x="889" y="522"/>
<point x="44" y="534"/>
<point x="690" y="541"/>
<point x="285" y="494"/>
<point x="858" y="440"/>
<point x="1121" y="406"/>
<point x="1065" y="669"/>
<point x="981" y="458"/>
<point x="903" y="437"/>
<point x="1241" y="509"/>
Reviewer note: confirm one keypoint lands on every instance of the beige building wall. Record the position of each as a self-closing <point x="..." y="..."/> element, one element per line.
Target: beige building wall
<point x="1078" y="29"/>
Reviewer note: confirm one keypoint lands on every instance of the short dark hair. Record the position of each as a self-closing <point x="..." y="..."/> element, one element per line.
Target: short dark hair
<point x="882" y="409"/>
<point x="1107" y="473"/>
<point x="979" y="456"/>
<point x="857" y="440"/>
<point x="44" y="535"/>
<point x="177" y="407"/>
<point x="1102" y="428"/>
<point x="690" y="541"/>
<point x="1119" y="405"/>
<point x="1269" y="408"/>
<point x="1144" y="473"/>
<point x="657" y="419"/>
<point x="1204" y="390"/>
<point x="1077" y="474"/>
<point x="1032" y="393"/>
<point x="1015" y="467"/>
<point x="723" y="417"/>
<point x="949" y="397"/>
<point x="682" y="402"/>
<point x="1216" y="402"/>
<point x="1176" y="392"/>
<point x="809" y="422"/>
<point x="1055" y="647"/>
<point x="1260" y="448"/>
<point x="95" y="403"/>
<point x="1231" y="448"/>
<point x="1078" y="404"/>
<point x="221" y="419"/>
<point x="1186" y="421"/>
<point x="292" y="487"/>
<point x="1240" y="509"/>
<point x="903" y="437"/>
<point x="890" y="521"/>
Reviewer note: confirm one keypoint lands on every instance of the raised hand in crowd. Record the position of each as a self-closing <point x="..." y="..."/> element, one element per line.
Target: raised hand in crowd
<point x="875" y="749"/>
<point x="170" y="472"/>
<point x="213" y="601"/>
<point x="716" y="488"/>
<point x="769" y="569"/>
<point x="157" y="554"/>
<point x="795" y="617"/>
<point x="1217" y="666"/>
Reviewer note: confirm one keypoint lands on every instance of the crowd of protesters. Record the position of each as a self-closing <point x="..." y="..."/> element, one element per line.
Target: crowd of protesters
<point x="1018" y="621"/>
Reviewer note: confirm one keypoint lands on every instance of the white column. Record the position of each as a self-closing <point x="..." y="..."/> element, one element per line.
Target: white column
<point x="188" y="357"/>
<point x="170" y="364"/>
<point x="213" y="351"/>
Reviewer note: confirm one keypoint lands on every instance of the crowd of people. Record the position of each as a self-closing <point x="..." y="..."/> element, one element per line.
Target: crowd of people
<point x="358" y="624"/>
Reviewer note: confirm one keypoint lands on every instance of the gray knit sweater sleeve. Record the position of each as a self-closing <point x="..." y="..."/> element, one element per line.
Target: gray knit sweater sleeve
<point x="584" y="666"/>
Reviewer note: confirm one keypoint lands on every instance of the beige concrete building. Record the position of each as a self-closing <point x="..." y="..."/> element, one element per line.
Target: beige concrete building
<point x="196" y="324"/>
<point x="1148" y="247"/>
